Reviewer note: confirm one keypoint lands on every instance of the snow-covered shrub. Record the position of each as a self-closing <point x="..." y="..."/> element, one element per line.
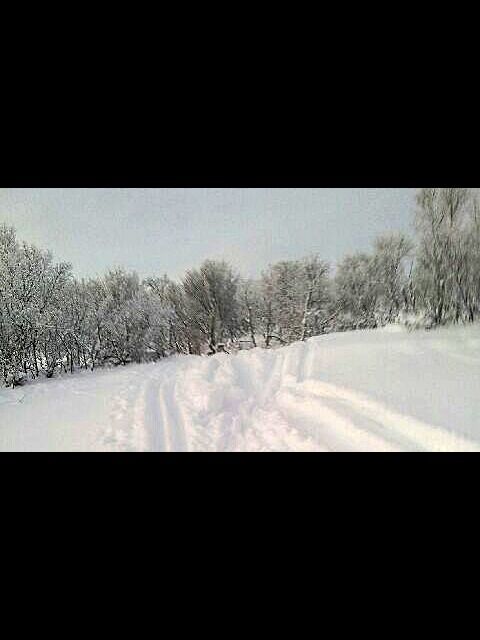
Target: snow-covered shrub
<point x="412" y="321"/>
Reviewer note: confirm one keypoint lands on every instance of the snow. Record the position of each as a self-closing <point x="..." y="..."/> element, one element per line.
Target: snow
<point x="379" y="390"/>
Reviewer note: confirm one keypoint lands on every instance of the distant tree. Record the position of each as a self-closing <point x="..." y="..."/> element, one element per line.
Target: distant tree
<point x="281" y="309"/>
<point x="389" y="270"/>
<point x="357" y="291"/>
<point x="440" y="219"/>
<point x="124" y="325"/>
<point x="250" y="305"/>
<point x="293" y="299"/>
<point x="212" y="302"/>
<point x="315" y="292"/>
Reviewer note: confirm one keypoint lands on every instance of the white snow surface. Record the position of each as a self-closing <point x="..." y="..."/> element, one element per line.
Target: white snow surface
<point x="381" y="390"/>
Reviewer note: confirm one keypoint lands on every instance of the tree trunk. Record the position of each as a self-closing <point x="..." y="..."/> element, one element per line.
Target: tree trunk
<point x="213" y="339"/>
<point x="306" y="311"/>
<point x="250" y="325"/>
<point x="35" y="363"/>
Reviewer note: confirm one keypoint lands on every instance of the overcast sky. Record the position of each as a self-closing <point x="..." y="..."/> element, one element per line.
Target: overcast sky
<point x="157" y="231"/>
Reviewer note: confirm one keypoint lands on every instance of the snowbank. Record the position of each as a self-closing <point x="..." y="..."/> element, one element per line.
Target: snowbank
<point x="383" y="390"/>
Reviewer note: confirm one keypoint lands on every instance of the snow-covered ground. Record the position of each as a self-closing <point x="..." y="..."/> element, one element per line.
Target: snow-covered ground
<point x="384" y="390"/>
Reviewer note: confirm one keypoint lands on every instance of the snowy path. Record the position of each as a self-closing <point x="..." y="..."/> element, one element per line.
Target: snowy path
<point x="364" y="391"/>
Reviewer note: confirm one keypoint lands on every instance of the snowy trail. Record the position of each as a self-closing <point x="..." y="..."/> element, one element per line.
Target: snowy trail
<point x="155" y="422"/>
<point x="155" y="411"/>
<point x="363" y="391"/>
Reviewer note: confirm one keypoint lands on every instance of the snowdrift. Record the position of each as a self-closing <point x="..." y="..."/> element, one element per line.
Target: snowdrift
<point x="383" y="390"/>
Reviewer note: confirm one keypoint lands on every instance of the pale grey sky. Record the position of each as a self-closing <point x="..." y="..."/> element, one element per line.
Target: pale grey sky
<point x="157" y="231"/>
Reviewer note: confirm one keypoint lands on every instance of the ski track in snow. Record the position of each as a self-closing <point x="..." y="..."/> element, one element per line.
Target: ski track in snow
<point x="270" y="400"/>
<point x="155" y="423"/>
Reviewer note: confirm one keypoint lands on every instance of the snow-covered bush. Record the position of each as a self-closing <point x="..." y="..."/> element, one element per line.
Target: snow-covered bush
<point x="420" y="320"/>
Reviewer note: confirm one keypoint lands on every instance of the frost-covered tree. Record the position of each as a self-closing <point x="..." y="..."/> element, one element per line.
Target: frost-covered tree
<point x="281" y="303"/>
<point x="250" y="306"/>
<point x="468" y="274"/>
<point x="463" y="256"/>
<point x="125" y="323"/>
<point x="389" y="270"/>
<point x="313" y="285"/>
<point x="9" y="311"/>
<point x="293" y="300"/>
<point x="184" y="335"/>
<point x="357" y="291"/>
<point x="212" y="302"/>
<point x="77" y="337"/>
<point x="31" y="295"/>
<point x="443" y="221"/>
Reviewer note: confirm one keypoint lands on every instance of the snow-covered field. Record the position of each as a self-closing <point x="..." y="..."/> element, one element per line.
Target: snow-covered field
<point x="384" y="390"/>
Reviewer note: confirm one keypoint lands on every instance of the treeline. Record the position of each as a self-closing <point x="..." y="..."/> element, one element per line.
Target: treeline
<point x="50" y="321"/>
